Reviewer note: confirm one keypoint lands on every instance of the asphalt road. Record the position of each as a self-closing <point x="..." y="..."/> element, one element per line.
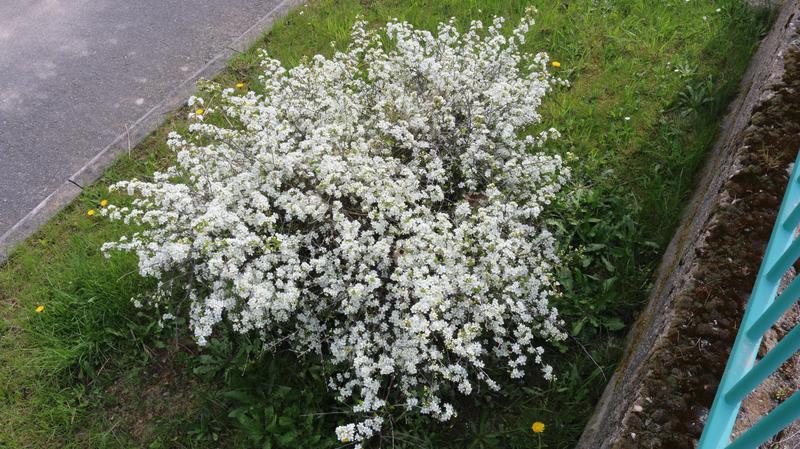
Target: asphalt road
<point x="74" y="73"/>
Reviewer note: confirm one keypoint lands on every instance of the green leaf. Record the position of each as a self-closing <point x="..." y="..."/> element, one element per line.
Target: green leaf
<point x="578" y="326"/>
<point x="285" y="421"/>
<point x="238" y="395"/>
<point x="287" y="438"/>
<point x="614" y="324"/>
<point x="609" y="266"/>
<point x="237" y="412"/>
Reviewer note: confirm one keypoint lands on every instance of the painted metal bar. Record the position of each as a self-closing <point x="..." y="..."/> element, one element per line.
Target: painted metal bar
<point x="793" y="219"/>
<point x="767" y="427"/>
<point x="766" y="366"/>
<point x="788" y="296"/>
<point x="723" y="412"/>
<point x="785" y="260"/>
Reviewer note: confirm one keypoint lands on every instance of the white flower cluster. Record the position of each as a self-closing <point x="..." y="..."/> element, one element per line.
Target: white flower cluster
<point x="379" y="207"/>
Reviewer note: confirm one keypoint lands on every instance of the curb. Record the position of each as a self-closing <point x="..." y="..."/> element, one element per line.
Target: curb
<point x="141" y="128"/>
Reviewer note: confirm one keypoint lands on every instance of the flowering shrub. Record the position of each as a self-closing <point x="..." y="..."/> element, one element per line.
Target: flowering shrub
<point x="378" y="208"/>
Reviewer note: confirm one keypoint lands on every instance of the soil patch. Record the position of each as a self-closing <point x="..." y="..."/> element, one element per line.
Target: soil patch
<point x="162" y="391"/>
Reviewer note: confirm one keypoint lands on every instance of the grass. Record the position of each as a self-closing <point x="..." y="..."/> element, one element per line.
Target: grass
<point x="650" y="81"/>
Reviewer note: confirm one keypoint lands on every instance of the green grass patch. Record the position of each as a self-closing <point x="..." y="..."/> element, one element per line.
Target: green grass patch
<point x="650" y="82"/>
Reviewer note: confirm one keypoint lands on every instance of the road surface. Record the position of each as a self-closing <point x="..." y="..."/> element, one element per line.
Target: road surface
<point x="74" y="73"/>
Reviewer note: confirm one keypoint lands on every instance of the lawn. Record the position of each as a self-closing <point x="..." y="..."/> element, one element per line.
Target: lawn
<point x="650" y="82"/>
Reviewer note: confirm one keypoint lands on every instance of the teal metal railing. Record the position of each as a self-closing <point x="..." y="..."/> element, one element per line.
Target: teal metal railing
<point x="742" y="373"/>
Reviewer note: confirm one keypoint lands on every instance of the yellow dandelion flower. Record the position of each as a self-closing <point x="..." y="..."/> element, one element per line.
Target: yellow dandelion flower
<point x="90" y="212"/>
<point x="104" y="203"/>
<point x="40" y="309"/>
<point x="239" y="85"/>
<point x="555" y="64"/>
<point x="537" y="427"/>
<point x="200" y="111"/>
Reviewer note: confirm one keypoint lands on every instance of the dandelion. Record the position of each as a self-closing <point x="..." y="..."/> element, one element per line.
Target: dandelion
<point x="40" y="309"/>
<point x="537" y="427"/>
<point x="555" y="64"/>
<point x="103" y="203"/>
<point x="90" y="212"/>
<point x="239" y="85"/>
<point x="199" y="111"/>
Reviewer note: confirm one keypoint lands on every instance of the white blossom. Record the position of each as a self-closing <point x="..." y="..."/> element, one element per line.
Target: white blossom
<point x="381" y="207"/>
